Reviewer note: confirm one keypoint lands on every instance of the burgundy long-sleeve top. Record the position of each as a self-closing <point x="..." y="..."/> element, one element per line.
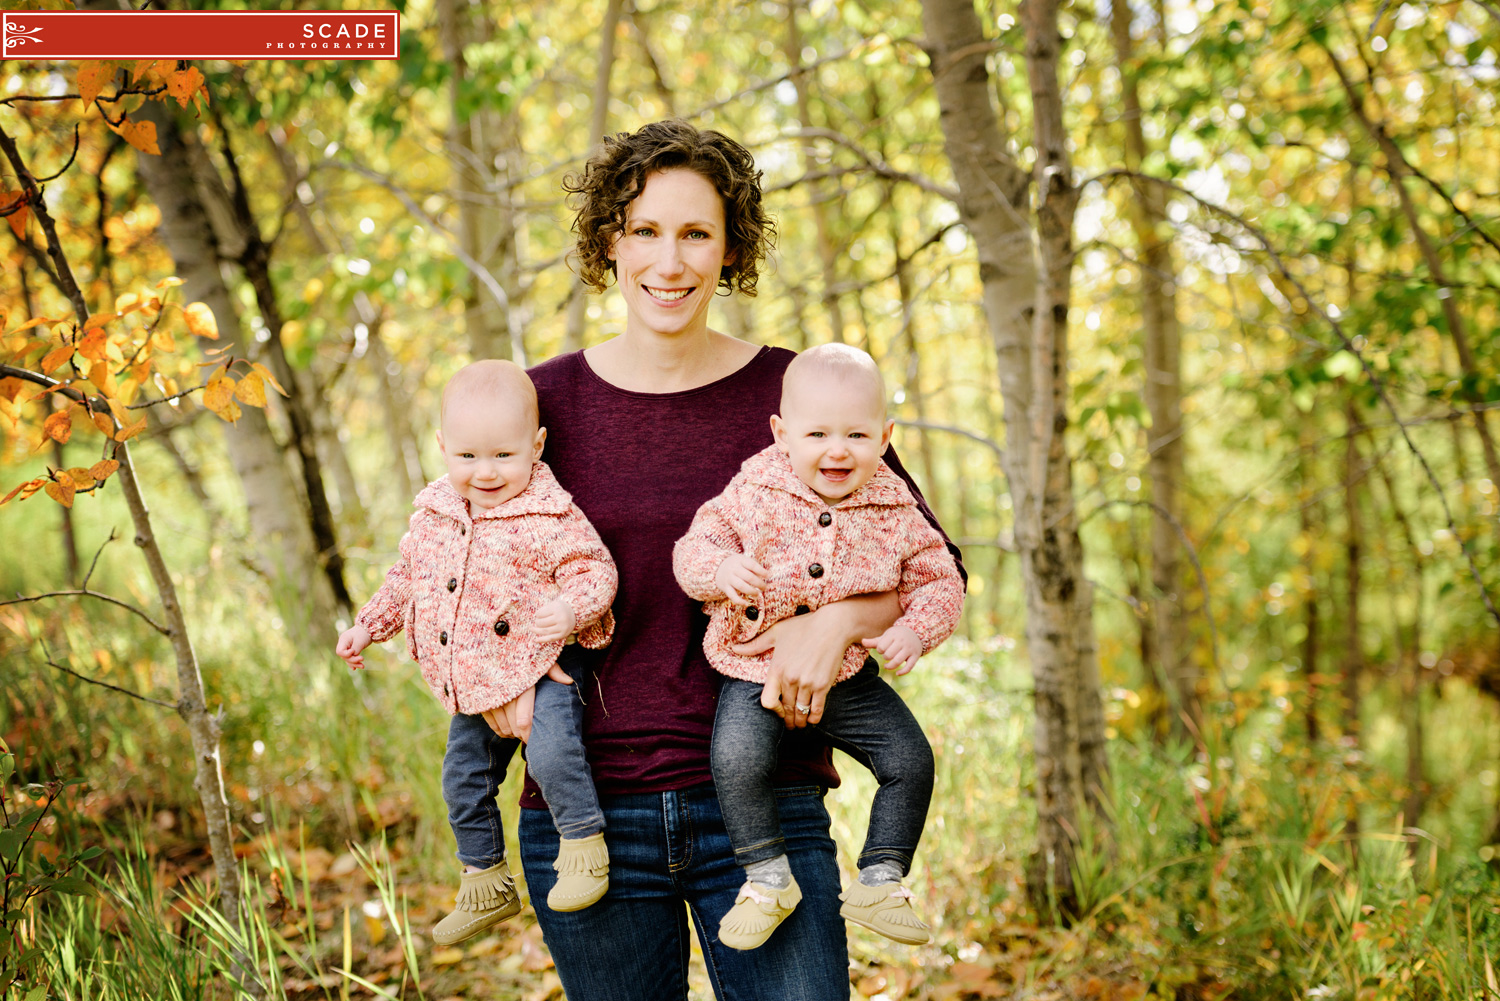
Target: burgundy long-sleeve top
<point x="639" y="465"/>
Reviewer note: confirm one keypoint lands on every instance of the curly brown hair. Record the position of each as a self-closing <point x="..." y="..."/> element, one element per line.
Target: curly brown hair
<point x="615" y="175"/>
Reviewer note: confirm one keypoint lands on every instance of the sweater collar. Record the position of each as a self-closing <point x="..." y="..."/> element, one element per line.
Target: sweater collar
<point x="770" y="467"/>
<point x="543" y="495"/>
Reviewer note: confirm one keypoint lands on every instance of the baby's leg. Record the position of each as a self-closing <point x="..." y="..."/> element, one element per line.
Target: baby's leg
<point x="473" y="768"/>
<point x="558" y="763"/>
<point x="865" y="717"/>
<point x="556" y="759"/>
<point x="743" y="757"/>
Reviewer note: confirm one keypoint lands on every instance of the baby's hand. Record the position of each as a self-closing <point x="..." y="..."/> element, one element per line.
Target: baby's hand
<point x="351" y="642"/>
<point x="554" y="622"/>
<point x="741" y="578"/>
<point x="899" y="645"/>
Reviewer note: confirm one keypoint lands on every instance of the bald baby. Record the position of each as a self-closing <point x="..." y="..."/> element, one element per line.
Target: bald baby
<point x="488" y="382"/>
<point x="817" y="369"/>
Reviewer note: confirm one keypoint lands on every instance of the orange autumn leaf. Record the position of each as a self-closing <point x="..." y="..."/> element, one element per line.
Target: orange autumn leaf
<point x="59" y="426"/>
<point x="251" y="390"/>
<point x="102" y="469"/>
<point x="25" y="489"/>
<point x="129" y="431"/>
<point x="93" y="74"/>
<point x="18" y="217"/>
<point x="61" y="489"/>
<point x="92" y="344"/>
<point x="265" y="373"/>
<point x="99" y="320"/>
<point x="141" y="135"/>
<point x="81" y="477"/>
<point x="11" y="388"/>
<point x="55" y="358"/>
<point x="183" y="84"/>
<point x="105" y="425"/>
<point x="200" y="320"/>
<point x="219" y="392"/>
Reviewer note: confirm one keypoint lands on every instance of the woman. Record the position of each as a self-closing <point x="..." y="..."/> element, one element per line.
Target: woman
<point x="642" y="429"/>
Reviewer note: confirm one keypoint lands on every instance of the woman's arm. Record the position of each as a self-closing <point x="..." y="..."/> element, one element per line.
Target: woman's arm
<point x="808" y="651"/>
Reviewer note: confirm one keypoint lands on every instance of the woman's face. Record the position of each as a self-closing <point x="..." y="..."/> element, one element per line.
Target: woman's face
<point x="668" y="256"/>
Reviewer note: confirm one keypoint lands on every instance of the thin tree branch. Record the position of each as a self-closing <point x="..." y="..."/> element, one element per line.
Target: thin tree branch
<point x="989" y="443"/>
<point x="113" y="535"/>
<point x="116" y="688"/>
<point x="84" y="592"/>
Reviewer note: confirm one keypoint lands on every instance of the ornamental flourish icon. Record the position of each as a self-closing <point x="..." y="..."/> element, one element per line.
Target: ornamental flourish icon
<point x="20" y="34"/>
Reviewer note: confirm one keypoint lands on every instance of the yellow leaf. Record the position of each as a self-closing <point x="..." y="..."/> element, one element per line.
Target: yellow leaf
<point x="102" y="469"/>
<point x="81" y="478"/>
<point x="141" y="135"/>
<point x="140" y="67"/>
<point x="200" y="320"/>
<point x="104" y="424"/>
<point x="376" y="929"/>
<point x="61" y="490"/>
<point x="164" y="341"/>
<point x="171" y="281"/>
<point x="251" y="390"/>
<point x="129" y="431"/>
<point x="125" y="302"/>
<point x="446" y="957"/>
<point x="99" y="320"/>
<point x="25" y="490"/>
<point x="55" y="358"/>
<point x="59" y="426"/>
<point x="219" y="392"/>
<point x="265" y="373"/>
<point x="183" y="84"/>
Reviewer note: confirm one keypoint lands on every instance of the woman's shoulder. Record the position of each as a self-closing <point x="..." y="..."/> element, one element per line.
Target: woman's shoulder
<point x="556" y="369"/>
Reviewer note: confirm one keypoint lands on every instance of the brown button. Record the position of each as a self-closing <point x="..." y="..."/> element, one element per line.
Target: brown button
<point x="802" y="610"/>
<point x="443" y="637"/>
<point x="462" y="530"/>
<point x="816" y="570"/>
<point x="752" y="613"/>
<point x="825" y="519"/>
<point x="452" y="583"/>
<point x="502" y="627"/>
<point x="445" y="689"/>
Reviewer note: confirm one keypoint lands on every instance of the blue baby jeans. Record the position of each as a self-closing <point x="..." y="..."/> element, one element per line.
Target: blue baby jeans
<point x="863" y="717"/>
<point x="477" y="757"/>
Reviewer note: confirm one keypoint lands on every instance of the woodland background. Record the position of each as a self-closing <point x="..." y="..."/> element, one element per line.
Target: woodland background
<point x="1189" y="314"/>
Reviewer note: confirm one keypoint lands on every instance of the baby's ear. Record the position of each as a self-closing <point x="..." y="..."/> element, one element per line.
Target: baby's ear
<point x="539" y="444"/>
<point x="440" y="438"/>
<point x="885" y="436"/>
<point x="778" y="431"/>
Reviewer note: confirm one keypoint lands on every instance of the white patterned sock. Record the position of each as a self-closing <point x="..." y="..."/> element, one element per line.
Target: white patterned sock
<point x="773" y="872"/>
<point x="880" y="873"/>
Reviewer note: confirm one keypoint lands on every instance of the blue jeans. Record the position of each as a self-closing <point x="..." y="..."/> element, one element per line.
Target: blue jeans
<point x="668" y="849"/>
<point x="863" y="717"/>
<point x="475" y="762"/>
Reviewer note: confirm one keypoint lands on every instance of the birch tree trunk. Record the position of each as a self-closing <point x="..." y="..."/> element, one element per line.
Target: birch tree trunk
<point x="277" y="523"/>
<point x="1163" y="344"/>
<point x="1026" y="288"/>
<point x="598" y="122"/>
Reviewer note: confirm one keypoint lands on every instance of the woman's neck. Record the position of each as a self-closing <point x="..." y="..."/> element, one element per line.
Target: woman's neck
<point x="651" y="363"/>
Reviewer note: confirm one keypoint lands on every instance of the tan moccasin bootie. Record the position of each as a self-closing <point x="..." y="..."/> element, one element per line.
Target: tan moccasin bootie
<point x="756" y="913"/>
<point x="485" y="898"/>
<point x="885" y="909"/>
<point x="582" y="873"/>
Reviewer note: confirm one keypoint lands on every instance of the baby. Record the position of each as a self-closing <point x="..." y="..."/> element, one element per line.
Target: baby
<point x="815" y="518"/>
<point x="498" y="568"/>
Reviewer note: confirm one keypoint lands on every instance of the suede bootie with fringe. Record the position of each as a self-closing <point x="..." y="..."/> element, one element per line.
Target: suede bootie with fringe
<point x="582" y="873"/>
<point x="756" y="913"/>
<point x="885" y="909"/>
<point x="485" y="898"/>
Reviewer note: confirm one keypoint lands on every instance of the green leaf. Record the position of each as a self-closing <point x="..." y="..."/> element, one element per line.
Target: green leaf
<point x="37" y="993"/>
<point x="92" y="852"/>
<point x="63" y="884"/>
<point x="10" y="844"/>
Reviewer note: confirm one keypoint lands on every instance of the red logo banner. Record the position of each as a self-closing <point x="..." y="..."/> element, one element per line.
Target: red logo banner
<point x="200" y="34"/>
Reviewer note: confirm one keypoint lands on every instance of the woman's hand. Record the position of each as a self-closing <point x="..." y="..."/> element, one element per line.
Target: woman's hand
<point x="807" y="652"/>
<point x="514" y="718"/>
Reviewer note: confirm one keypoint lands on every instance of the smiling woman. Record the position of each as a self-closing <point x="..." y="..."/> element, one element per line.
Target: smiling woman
<point x="642" y="429"/>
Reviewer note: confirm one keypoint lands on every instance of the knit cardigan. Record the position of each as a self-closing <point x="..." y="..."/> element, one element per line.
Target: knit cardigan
<point x="466" y="588"/>
<point x="873" y="540"/>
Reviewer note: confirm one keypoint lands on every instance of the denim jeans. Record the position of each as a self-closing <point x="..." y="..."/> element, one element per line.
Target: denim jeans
<point x="863" y="717"/>
<point x="670" y="849"/>
<point x="475" y="762"/>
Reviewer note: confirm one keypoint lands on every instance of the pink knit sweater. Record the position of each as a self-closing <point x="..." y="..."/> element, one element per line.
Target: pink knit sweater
<point x="873" y="540"/>
<point x="466" y="588"/>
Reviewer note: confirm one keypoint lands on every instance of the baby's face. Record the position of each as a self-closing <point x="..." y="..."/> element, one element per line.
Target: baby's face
<point x="834" y="433"/>
<point x="489" y="446"/>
